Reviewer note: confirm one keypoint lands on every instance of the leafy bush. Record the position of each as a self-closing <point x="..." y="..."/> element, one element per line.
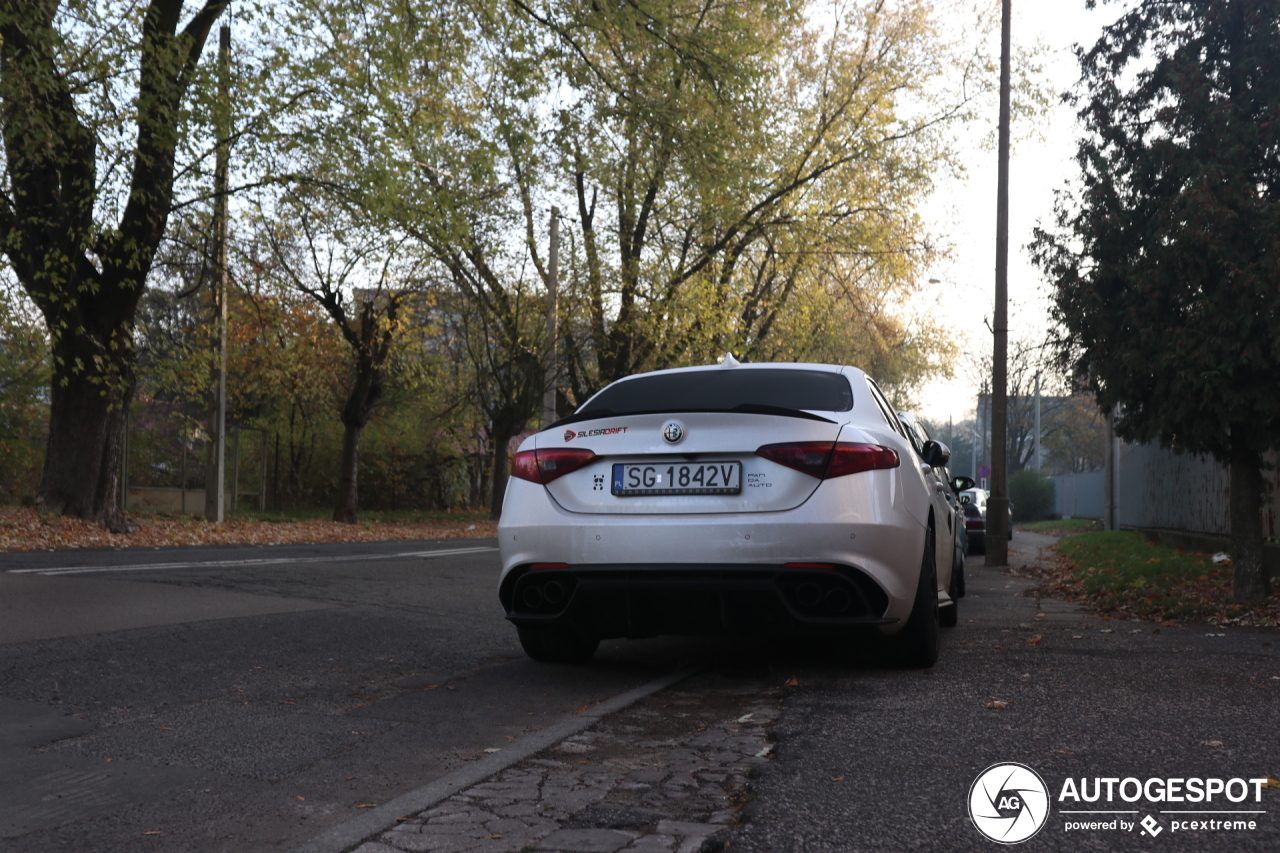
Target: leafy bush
<point x="1031" y="494"/>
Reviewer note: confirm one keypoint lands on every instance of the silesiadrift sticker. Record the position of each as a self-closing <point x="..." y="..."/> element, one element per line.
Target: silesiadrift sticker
<point x="570" y="435"/>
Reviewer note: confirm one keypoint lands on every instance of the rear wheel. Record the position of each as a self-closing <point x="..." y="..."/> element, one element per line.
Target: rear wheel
<point x="557" y="644"/>
<point x="917" y="643"/>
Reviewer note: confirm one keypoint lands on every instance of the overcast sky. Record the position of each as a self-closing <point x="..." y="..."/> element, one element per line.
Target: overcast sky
<point x="963" y="213"/>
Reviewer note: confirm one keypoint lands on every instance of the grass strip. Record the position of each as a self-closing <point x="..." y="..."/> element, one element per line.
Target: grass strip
<point x="1125" y="574"/>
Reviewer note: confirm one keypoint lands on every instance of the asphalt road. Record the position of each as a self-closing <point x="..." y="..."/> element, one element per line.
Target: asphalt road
<point x="247" y="698"/>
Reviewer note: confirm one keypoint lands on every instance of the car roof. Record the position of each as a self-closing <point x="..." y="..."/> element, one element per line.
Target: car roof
<point x="753" y="365"/>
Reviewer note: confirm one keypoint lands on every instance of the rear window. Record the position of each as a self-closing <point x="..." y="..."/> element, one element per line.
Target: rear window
<point x="724" y="390"/>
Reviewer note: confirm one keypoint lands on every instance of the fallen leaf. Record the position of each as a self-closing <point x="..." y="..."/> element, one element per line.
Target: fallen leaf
<point x="837" y="778"/>
<point x="745" y="718"/>
<point x="998" y="704"/>
<point x="349" y="778"/>
<point x="301" y="799"/>
<point x="366" y="805"/>
<point x="1211" y="743"/>
<point x="1272" y="783"/>
<point x="154" y="831"/>
<point x="791" y="682"/>
<point x="495" y="836"/>
<point x="493" y="749"/>
<point x="403" y="819"/>
<point x="166" y="728"/>
<point x="1035" y="641"/>
<point x="999" y="646"/>
<point x="108" y="760"/>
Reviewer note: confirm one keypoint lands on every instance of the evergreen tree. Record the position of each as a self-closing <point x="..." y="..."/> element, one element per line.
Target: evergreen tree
<point x="1165" y="262"/>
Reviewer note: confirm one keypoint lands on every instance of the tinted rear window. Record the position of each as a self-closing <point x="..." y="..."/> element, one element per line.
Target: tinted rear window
<point x="725" y="389"/>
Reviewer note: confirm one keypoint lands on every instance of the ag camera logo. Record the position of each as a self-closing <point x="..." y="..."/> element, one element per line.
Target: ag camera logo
<point x="1009" y="803"/>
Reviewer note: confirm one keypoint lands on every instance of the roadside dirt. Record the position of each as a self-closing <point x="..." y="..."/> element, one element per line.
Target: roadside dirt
<point x="28" y="530"/>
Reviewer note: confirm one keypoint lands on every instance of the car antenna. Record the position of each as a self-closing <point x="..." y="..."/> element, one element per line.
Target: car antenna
<point x="730" y="361"/>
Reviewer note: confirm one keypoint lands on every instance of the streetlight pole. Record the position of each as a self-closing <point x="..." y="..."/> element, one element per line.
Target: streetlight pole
<point x="997" y="538"/>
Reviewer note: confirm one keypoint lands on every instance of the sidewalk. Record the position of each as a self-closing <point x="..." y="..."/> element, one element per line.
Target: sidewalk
<point x="670" y="773"/>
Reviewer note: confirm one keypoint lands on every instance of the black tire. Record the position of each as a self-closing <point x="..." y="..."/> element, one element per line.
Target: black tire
<point x="557" y="644"/>
<point x="918" y="642"/>
<point x="949" y="616"/>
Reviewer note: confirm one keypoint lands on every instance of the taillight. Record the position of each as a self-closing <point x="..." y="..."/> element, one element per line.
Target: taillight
<point x="825" y="461"/>
<point x="855" y="458"/>
<point x="543" y="466"/>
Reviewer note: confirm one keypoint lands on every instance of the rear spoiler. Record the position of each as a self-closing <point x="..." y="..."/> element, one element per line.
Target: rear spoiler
<point x="741" y="408"/>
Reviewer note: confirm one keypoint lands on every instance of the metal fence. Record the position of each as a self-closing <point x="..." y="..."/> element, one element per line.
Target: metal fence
<point x="1079" y="495"/>
<point x="1159" y="488"/>
<point x="1178" y="491"/>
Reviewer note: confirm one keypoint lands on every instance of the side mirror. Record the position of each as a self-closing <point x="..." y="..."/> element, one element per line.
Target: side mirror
<point x="935" y="454"/>
<point x="962" y="483"/>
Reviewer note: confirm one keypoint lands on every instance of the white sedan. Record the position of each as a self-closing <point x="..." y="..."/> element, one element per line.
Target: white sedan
<point x="731" y="498"/>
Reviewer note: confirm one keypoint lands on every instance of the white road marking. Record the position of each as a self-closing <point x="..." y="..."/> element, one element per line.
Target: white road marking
<point x="267" y="561"/>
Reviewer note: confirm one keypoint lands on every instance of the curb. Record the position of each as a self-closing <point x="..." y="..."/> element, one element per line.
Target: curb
<point x="347" y="835"/>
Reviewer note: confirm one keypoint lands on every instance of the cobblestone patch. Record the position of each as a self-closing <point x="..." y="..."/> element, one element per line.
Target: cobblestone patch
<point x="667" y="775"/>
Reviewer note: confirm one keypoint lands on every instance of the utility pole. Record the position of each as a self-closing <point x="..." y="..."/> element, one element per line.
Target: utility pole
<point x="997" y="538"/>
<point x="1111" y="477"/>
<point x="553" y="331"/>
<point x="979" y="437"/>
<point x="214" y="492"/>
<point x="1036" y="454"/>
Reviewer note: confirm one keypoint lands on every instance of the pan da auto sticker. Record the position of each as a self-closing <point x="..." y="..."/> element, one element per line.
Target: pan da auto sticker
<point x="1214" y="800"/>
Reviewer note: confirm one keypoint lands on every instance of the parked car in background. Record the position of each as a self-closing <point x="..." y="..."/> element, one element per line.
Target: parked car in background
<point x="975" y="517"/>
<point x="735" y="498"/>
<point x="949" y="506"/>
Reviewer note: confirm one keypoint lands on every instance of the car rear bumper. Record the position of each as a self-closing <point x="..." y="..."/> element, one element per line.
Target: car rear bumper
<point x="726" y="563"/>
<point x="630" y="600"/>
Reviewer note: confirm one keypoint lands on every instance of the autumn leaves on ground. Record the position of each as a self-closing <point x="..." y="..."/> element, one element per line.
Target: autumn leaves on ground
<point x="27" y="530"/>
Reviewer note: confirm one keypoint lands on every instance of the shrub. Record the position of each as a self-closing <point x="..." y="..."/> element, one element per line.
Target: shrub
<point x="1031" y="494"/>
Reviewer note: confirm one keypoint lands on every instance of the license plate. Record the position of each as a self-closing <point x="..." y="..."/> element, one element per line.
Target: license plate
<point x="677" y="478"/>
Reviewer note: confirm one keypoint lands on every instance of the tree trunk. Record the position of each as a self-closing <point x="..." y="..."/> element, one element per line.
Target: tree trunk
<point x="348" y="494"/>
<point x="501" y="466"/>
<point x="1250" y="580"/>
<point x="86" y="431"/>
